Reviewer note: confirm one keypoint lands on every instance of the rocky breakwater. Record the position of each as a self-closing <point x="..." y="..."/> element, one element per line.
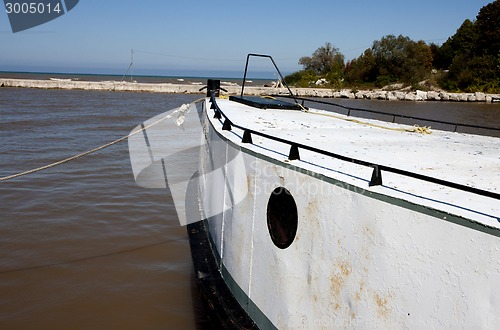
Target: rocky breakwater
<point x="397" y="95"/>
<point x="250" y="90"/>
<point x="124" y="86"/>
<point x="100" y="85"/>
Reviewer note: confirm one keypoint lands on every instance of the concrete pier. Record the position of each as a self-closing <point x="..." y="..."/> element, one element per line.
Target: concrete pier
<point x="123" y="86"/>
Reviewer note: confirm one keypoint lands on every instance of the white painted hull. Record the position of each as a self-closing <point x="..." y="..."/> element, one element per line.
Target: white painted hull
<point x="368" y="258"/>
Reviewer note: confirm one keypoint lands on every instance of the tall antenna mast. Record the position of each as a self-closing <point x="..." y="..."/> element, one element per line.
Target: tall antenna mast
<point x="130" y="67"/>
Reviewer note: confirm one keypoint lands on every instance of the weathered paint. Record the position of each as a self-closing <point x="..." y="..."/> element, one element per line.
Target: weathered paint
<point x="396" y="256"/>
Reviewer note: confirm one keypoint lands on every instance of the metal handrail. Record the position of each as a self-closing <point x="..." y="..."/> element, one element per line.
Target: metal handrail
<point x="377" y="168"/>
<point x="394" y="116"/>
<point x="275" y="66"/>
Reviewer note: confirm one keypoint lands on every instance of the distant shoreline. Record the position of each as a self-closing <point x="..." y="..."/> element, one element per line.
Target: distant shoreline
<point x="234" y="88"/>
<point x="188" y="79"/>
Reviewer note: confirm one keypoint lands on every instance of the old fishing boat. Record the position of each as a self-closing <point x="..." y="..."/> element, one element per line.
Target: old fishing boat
<point x="303" y="218"/>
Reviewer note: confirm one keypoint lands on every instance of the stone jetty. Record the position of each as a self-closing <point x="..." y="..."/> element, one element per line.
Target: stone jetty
<point x="123" y="86"/>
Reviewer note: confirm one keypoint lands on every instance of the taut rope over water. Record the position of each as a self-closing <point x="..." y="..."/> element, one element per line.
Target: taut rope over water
<point x="83" y="154"/>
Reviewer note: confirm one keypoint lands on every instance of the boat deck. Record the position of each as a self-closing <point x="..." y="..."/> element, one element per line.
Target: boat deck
<point x="466" y="159"/>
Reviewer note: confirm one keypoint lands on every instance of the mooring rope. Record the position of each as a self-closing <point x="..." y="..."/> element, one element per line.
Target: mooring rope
<point x="415" y="129"/>
<point x="86" y="153"/>
<point x="38" y="169"/>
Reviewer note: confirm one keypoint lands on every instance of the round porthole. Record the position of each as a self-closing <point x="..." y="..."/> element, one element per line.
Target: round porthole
<point x="282" y="217"/>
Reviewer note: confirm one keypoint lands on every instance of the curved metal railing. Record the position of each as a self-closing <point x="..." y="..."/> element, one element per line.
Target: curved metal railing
<point x="376" y="178"/>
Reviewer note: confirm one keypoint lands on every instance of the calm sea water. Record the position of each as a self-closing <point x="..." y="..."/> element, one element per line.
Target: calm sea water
<point x="81" y="245"/>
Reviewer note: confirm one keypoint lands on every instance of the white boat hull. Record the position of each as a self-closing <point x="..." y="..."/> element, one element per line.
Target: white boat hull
<point x="360" y="258"/>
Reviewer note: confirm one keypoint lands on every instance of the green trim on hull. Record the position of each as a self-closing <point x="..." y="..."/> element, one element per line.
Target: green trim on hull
<point x="250" y="307"/>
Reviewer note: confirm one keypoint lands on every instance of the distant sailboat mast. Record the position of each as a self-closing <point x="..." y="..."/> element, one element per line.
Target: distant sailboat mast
<point x="130" y="67"/>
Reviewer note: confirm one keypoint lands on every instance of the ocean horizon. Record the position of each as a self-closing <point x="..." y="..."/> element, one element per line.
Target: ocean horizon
<point x="204" y="74"/>
<point x="194" y="78"/>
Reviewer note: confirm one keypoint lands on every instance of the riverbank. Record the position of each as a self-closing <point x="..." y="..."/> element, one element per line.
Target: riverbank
<point x="123" y="86"/>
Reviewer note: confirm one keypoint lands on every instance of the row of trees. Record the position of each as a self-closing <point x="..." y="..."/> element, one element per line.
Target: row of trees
<point x="467" y="61"/>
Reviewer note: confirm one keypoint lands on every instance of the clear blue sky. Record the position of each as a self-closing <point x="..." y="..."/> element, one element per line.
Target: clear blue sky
<point x="182" y="37"/>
